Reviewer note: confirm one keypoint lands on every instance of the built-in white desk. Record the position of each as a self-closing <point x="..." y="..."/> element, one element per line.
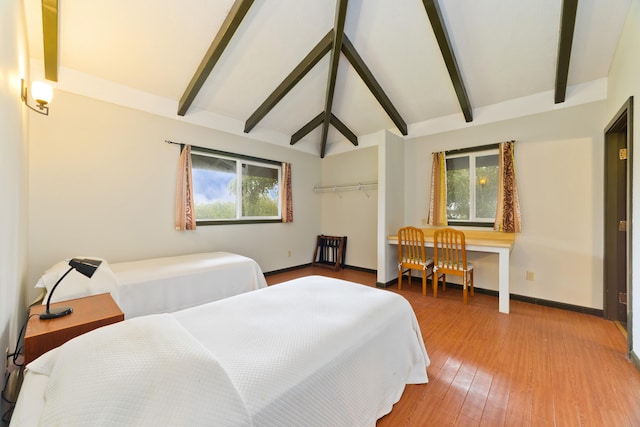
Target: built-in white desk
<point x="484" y="241"/>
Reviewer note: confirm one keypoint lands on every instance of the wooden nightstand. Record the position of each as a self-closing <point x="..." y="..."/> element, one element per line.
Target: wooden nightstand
<point x="89" y="313"/>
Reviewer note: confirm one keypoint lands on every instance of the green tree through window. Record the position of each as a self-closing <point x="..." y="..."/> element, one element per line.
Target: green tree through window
<point x="259" y="188"/>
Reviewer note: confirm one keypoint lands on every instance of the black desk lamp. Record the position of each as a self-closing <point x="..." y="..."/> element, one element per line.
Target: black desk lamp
<point x="84" y="266"/>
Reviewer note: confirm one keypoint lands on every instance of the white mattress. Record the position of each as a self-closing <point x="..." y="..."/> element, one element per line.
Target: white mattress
<point x="313" y="351"/>
<point x="164" y="285"/>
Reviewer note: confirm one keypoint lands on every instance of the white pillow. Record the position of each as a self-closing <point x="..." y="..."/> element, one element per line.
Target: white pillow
<point x="77" y="285"/>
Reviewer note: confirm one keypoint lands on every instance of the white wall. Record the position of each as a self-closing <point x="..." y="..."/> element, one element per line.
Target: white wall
<point x="624" y="81"/>
<point x="13" y="172"/>
<point x="391" y="203"/>
<point x="351" y="213"/>
<point x="102" y="183"/>
<point x="559" y="162"/>
<point x="367" y="221"/>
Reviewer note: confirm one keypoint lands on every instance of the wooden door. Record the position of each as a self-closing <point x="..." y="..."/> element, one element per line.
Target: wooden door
<point x="617" y="226"/>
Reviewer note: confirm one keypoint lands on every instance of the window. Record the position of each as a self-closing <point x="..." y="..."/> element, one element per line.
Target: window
<point x="472" y="186"/>
<point x="229" y="188"/>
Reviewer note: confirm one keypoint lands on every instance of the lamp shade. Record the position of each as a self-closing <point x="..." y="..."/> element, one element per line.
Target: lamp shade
<point x="85" y="266"/>
<point x="41" y="92"/>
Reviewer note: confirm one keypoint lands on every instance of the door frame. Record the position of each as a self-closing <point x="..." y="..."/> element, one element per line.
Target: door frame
<point x="621" y="122"/>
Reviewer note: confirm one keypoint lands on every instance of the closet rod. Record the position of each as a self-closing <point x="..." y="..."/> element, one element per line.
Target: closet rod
<point x="340" y="188"/>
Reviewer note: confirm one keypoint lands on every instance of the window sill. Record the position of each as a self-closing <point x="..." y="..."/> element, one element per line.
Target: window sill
<point x="470" y="224"/>
<point x="237" y="221"/>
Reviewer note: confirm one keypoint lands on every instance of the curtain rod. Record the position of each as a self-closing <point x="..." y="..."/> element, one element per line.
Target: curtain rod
<point x="226" y="153"/>
<point x="477" y="148"/>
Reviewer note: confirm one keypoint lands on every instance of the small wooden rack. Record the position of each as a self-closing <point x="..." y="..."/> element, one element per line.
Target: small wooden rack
<point x="330" y="251"/>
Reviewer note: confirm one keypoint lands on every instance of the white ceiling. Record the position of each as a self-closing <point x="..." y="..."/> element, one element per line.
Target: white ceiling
<point x="150" y="49"/>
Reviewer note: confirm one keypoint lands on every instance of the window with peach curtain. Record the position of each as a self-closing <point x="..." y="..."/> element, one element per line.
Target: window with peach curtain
<point x="508" y="203"/>
<point x="185" y="214"/>
<point x="287" y="200"/>
<point x="438" y="193"/>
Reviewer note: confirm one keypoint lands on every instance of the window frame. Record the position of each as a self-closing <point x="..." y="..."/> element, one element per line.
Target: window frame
<point x="241" y="159"/>
<point x="472" y="153"/>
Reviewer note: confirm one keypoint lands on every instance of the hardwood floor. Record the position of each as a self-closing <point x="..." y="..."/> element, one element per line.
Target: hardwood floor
<point x="537" y="366"/>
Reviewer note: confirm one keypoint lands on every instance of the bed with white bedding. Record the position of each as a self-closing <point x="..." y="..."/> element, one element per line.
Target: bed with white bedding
<point x="313" y="351"/>
<point x="160" y="285"/>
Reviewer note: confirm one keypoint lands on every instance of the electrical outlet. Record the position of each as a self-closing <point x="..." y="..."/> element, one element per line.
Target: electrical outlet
<point x="530" y="276"/>
<point x="289" y="253"/>
<point x="424" y="221"/>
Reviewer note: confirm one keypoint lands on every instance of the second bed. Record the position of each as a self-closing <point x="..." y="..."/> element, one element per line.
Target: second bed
<point x="160" y="285"/>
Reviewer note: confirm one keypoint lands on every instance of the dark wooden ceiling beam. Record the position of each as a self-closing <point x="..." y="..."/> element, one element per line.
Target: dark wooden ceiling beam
<point x="225" y="33"/>
<point x="435" y="17"/>
<point x="312" y="58"/>
<point x="304" y="130"/>
<point x="338" y="35"/>
<point x="50" y="39"/>
<point x="344" y="130"/>
<point x="567" y="26"/>
<point x="317" y="121"/>
<point x="367" y="77"/>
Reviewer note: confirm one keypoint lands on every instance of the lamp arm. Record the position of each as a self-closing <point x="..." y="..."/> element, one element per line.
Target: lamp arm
<point x="41" y="109"/>
<point x="56" y="285"/>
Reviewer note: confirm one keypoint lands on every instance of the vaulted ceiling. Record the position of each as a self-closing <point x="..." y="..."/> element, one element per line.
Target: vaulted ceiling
<point x="319" y="75"/>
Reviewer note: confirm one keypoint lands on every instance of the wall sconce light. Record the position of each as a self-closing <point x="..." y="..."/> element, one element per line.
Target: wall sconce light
<point x="482" y="181"/>
<point x="42" y="93"/>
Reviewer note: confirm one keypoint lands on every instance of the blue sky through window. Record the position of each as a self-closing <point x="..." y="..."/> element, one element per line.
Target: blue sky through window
<point x="209" y="186"/>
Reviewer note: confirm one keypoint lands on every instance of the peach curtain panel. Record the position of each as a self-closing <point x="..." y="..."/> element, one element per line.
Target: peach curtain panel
<point x="508" y="206"/>
<point x="438" y="193"/>
<point x="185" y="209"/>
<point x="287" y="200"/>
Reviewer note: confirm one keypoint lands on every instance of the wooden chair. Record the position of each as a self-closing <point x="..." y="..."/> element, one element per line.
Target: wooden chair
<point x="412" y="256"/>
<point x="450" y="257"/>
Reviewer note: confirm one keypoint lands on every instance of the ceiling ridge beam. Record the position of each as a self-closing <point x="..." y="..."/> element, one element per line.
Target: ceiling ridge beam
<point x="301" y="70"/>
<point x="440" y="31"/>
<point x="338" y="33"/>
<point x="565" y="41"/>
<point x="231" y="23"/>
<point x="304" y="130"/>
<point x="344" y="130"/>
<point x="368" y="78"/>
<point x="50" y="38"/>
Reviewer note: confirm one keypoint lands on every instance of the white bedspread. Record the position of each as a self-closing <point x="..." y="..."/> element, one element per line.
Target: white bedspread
<point x="164" y="285"/>
<point x="144" y="372"/>
<point x="314" y="351"/>
<point x="309" y="352"/>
